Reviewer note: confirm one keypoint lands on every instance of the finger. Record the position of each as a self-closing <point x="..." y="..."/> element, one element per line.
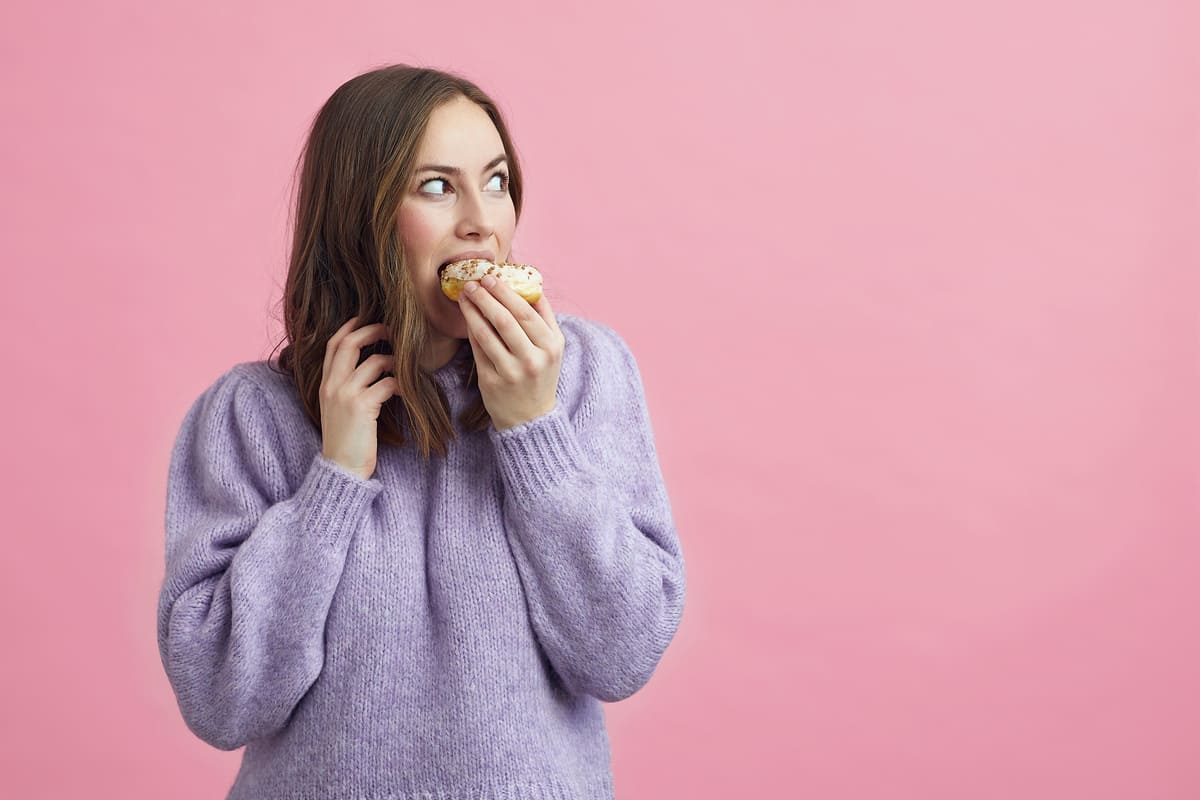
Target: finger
<point x="372" y="367"/>
<point x="533" y="319"/>
<point x="483" y="362"/>
<point x="345" y="357"/>
<point x="332" y="344"/>
<point x="483" y="337"/>
<point x="542" y="306"/>
<point x="382" y="390"/>
<point x="513" y="317"/>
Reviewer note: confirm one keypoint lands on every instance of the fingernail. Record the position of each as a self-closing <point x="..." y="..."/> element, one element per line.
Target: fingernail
<point x="489" y="281"/>
<point x="470" y="287"/>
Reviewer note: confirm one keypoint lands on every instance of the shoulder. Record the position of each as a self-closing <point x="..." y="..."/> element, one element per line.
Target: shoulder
<point x="264" y="375"/>
<point x="234" y="396"/>
<point x="232" y="434"/>
<point x="588" y="342"/>
<point x="245" y="385"/>
<point x="596" y="361"/>
<point x="278" y="392"/>
<point x="254" y="393"/>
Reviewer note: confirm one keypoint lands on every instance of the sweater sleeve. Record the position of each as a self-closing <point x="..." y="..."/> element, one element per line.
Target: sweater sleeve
<point x="251" y="566"/>
<point x="591" y="530"/>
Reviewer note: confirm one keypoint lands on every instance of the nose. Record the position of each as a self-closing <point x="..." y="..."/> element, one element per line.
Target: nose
<point x="475" y="214"/>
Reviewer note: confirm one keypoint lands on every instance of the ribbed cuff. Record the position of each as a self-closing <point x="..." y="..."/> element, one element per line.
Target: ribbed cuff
<point x="539" y="454"/>
<point x="332" y="500"/>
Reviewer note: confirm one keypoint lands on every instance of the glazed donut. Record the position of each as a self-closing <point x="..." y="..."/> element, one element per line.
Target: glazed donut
<point x="523" y="278"/>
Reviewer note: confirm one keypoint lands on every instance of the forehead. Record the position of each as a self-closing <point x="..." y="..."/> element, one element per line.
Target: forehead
<point x="458" y="131"/>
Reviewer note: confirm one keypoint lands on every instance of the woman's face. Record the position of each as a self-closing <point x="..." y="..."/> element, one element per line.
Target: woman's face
<point x="444" y="214"/>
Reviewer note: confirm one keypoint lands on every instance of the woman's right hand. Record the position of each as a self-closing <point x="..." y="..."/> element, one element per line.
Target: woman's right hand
<point x="351" y="397"/>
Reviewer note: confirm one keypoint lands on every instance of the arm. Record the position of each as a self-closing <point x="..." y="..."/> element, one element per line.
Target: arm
<point x="250" y="568"/>
<point x="591" y="530"/>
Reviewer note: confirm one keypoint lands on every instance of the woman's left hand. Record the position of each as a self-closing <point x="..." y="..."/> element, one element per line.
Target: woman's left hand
<point x="518" y="351"/>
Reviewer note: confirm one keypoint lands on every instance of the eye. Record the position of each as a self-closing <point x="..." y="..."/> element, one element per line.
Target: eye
<point x="433" y="180"/>
<point x="501" y="174"/>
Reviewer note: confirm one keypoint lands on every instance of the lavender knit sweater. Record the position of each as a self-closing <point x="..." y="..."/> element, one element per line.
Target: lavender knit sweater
<point x="440" y="631"/>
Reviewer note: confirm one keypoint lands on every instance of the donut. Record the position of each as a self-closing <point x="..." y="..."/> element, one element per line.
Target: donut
<point x="524" y="279"/>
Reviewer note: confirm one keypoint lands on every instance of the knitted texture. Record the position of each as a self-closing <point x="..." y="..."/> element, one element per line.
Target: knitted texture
<point x="441" y="631"/>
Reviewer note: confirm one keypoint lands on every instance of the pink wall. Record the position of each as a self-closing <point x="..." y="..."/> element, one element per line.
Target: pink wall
<point x="913" y="287"/>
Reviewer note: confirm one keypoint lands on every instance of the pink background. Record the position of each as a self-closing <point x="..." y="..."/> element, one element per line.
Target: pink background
<point x="913" y="288"/>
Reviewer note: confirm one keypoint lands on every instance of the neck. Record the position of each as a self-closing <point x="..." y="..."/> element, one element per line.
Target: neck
<point x="440" y="352"/>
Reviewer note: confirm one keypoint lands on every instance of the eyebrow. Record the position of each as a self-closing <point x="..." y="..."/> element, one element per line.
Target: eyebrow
<point x="456" y="170"/>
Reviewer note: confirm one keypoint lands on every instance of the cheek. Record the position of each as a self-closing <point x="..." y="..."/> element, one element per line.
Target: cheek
<point x="417" y="232"/>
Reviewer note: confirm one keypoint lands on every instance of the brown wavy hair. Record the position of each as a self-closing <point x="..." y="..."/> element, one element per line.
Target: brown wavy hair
<point x="346" y="256"/>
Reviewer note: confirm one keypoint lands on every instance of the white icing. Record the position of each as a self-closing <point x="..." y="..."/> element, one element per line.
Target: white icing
<point x="519" y="276"/>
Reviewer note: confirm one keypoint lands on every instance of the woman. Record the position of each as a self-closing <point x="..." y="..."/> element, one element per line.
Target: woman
<point x="416" y="573"/>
